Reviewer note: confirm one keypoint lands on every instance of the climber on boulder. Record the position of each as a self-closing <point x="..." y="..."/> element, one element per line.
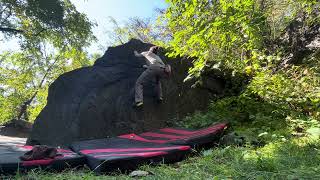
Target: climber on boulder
<point x="155" y="69"/>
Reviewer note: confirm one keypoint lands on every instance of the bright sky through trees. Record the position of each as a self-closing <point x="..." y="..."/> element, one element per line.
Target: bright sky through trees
<point x="99" y="11"/>
<point x="121" y="10"/>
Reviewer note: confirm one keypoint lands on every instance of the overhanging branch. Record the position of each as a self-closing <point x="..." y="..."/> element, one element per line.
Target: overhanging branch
<point x="11" y="30"/>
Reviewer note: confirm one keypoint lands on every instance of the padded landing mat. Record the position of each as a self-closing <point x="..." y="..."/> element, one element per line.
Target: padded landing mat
<point x="179" y="136"/>
<point x="106" y="155"/>
<point x="11" y="163"/>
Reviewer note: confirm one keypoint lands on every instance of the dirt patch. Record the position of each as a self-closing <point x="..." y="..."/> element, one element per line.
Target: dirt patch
<point x="14" y="132"/>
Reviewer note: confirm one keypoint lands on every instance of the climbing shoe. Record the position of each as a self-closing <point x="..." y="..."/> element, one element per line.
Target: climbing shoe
<point x="138" y="104"/>
<point x="159" y="100"/>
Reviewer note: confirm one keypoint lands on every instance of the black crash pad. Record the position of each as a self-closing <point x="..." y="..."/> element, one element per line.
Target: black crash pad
<point x="10" y="160"/>
<point x="106" y="155"/>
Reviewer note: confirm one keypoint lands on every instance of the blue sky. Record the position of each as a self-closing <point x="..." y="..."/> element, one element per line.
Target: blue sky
<point x="119" y="9"/>
<point x="98" y="11"/>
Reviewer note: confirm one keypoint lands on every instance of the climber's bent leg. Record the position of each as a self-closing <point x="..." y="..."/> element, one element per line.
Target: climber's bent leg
<point x="159" y="90"/>
<point x="139" y="87"/>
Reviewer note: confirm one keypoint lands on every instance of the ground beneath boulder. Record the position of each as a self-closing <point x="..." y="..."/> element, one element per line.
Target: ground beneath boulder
<point x="11" y="141"/>
<point x="10" y="136"/>
<point x="13" y="132"/>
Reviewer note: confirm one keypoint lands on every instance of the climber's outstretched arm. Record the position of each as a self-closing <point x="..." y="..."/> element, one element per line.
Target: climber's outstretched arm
<point x="143" y="54"/>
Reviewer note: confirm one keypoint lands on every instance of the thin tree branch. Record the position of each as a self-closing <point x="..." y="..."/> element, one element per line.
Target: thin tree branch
<point x="24" y="107"/>
<point x="11" y="30"/>
<point x="38" y="33"/>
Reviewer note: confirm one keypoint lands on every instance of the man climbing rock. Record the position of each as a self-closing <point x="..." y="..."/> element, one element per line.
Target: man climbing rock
<point x="155" y="70"/>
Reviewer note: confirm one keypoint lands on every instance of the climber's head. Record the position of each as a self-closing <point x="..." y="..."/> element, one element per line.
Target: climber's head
<point x="154" y="49"/>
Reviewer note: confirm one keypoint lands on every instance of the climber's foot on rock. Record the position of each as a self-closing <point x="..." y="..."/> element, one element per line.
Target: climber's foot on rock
<point x="160" y="100"/>
<point x="138" y="104"/>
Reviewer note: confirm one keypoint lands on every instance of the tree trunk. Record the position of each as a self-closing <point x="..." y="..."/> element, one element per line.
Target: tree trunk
<point x="24" y="107"/>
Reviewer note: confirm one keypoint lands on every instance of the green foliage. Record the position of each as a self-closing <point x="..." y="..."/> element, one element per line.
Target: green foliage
<point x="258" y="121"/>
<point x="145" y="30"/>
<point x="36" y="21"/>
<point x="236" y="35"/>
<point x="216" y="31"/>
<point x="52" y="36"/>
<point x="23" y="76"/>
<point x="281" y="104"/>
<point x="17" y="16"/>
<point x="298" y="91"/>
<point x="230" y="34"/>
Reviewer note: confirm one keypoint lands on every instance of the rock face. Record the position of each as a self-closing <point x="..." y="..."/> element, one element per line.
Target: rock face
<point x="96" y="102"/>
<point x="299" y="39"/>
<point x="16" y="128"/>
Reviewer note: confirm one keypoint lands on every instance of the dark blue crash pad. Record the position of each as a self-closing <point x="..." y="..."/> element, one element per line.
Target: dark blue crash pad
<point x="105" y="155"/>
<point x="10" y="160"/>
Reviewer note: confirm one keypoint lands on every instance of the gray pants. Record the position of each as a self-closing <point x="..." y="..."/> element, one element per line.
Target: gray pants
<point x="150" y="74"/>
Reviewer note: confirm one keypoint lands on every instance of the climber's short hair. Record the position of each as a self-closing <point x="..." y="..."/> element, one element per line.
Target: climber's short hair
<point x="154" y="49"/>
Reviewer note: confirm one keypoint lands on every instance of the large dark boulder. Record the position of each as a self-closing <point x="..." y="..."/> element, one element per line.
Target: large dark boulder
<point x="96" y="102"/>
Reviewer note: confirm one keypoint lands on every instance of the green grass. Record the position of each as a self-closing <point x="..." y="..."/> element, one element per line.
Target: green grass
<point x="281" y="160"/>
<point x="298" y="158"/>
